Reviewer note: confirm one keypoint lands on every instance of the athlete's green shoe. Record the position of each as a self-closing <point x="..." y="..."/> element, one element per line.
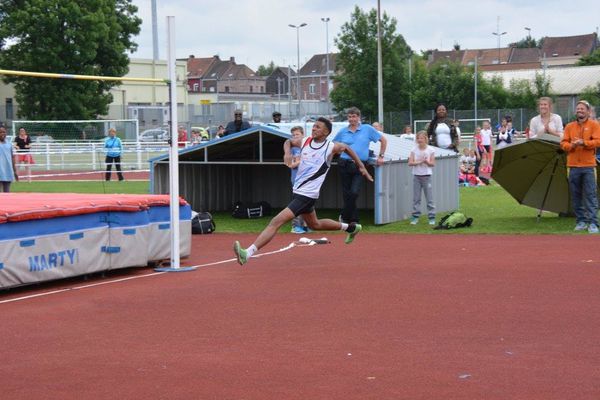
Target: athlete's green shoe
<point x="350" y="237"/>
<point x="241" y="254"/>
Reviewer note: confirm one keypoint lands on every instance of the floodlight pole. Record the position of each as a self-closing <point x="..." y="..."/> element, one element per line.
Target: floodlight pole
<point x="379" y="65"/>
<point x="297" y="27"/>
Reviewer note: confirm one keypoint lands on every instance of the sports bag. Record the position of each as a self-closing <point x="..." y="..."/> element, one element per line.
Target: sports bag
<point x="202" y="222"/>
<point x="454" y="220"/>
<point x="252" y="210"/>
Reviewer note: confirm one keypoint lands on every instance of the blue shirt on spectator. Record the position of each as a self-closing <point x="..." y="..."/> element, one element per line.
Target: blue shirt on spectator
<point x="295" y="153"/>
<point x="358" y="141"/>
<point x="113" y="146"/>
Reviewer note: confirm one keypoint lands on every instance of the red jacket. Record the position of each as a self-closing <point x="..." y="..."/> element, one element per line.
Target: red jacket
<point x="581" y="156"/>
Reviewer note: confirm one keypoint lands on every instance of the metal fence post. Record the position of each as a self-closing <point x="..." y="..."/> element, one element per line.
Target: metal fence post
<point x="94" y="158"/>
<point x="47" y="156"/>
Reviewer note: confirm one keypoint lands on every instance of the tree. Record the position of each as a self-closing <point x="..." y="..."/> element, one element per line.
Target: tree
<point x="70" y="37"/>
<point x="266" y="70"/>
<point x="447" y="82"/>
<point x="592" y="95"/>
<point x="527" y="43"/>
<point x="590" y="59"/>
<point x="356" y="79"/>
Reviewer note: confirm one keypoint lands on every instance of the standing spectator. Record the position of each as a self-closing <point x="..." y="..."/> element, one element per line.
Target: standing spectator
<point x="378" y="126"/>
<point x="298" y="225"/>
<point x="276" y="117"/>
<point x="505" y="136"/>
<point x="357" y="136"/>
<point x="422" y="161"/>
<point x="114" y="148"/>
<point x="8" y="162"/>
<point x="457" y="126"/>
<point x="407" y="133"/>
<point x="580" y="141"/>
<point x="237" y="125"/>
<point x="546" y="121"/>
<point x="441" y="131"/>
<point x="23" y="142"/>
<point x="501" y="127"/>
<point x="181" y="136"/>
<point x="486" y="142"/>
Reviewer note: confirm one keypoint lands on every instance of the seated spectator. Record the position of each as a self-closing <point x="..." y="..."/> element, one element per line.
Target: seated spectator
<point x="220" y="132"/>
<point x="195" y="139"/>
<point x="378" y="126"/>
<point x="237" y="125"/>
<point x="204" y="135"/>
<point x="466" y="160"/>
<point x="181" y="136"/>
<point x="276" y="117"/>
<point x="407" y="133"/>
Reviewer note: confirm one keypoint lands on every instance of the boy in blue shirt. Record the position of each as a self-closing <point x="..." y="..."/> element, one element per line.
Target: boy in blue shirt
<point x="297" y="133"/>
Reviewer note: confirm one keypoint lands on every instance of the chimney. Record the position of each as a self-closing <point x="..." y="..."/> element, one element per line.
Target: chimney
<point x="192" y="56"/>
<point x="232" y="60"/>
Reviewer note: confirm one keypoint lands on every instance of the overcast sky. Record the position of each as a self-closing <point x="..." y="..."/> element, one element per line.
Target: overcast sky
<point x="256" y="32"/>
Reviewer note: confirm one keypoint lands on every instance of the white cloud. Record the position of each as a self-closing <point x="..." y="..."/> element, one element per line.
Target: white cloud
<point x="257" y="32"/>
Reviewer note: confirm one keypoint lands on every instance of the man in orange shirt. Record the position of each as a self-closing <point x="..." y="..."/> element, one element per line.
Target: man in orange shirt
<point x="580" y="140"/>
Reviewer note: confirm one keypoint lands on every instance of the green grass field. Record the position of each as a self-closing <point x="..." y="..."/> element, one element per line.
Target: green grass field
<point x="491" y="208"/>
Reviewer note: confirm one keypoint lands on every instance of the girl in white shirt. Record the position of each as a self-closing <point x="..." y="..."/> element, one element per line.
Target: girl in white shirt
<point x="486" y="142"/>
<point x="422" y="161"/>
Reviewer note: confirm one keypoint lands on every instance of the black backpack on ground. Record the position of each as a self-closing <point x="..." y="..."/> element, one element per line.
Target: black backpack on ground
<point x="203" y="222"/>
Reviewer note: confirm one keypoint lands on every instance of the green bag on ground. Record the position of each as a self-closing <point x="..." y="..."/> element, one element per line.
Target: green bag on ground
<point x="454" y="220"/>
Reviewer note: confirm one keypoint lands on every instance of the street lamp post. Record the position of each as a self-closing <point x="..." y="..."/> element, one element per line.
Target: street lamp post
<point x="326" y="20"/>
<point x="498" y="34"/>
<point x="298" y="66"/>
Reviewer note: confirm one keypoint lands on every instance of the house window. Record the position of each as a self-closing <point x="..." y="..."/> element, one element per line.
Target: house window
<point x="226" y="89"/>
<point x="196" y="86"/>
<point x="311" y="88"/>
<point x="251" y="88"/>
<point x="212" y="89"/>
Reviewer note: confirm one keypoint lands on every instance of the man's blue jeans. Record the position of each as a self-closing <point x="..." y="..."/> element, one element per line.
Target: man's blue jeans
<point x="584" y="195"/>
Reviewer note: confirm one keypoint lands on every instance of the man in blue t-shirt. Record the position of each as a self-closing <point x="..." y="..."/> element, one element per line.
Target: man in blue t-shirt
<point x="358" y="136"/>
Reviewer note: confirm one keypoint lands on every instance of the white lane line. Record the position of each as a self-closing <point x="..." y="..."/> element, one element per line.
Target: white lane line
<point x="91" y="285"/>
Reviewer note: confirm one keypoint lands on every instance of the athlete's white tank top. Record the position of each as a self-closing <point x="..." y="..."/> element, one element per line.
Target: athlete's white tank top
<point x="315" y="160"/>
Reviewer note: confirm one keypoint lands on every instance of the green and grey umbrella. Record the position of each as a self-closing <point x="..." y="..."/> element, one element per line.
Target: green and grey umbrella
<point x="535" y="174"/>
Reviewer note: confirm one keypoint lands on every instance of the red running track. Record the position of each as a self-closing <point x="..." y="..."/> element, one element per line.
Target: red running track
<point x="388" y="317"/>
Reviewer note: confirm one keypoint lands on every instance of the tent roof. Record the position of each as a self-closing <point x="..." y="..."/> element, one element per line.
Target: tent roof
<point x="256" y="144"/>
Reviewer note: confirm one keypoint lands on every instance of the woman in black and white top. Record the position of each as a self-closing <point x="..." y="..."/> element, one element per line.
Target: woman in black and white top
<point x="441" y="131"/>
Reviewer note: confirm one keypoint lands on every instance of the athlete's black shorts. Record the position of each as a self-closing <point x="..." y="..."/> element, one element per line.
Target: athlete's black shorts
<point x="301" y="204"/>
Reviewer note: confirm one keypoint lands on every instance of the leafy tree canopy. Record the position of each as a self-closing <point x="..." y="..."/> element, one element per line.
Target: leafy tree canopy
<point x="66" y="36"/>
<point x="356" y="79"/>
<point x="590" y="59"/>
<point x="266" y="70"/>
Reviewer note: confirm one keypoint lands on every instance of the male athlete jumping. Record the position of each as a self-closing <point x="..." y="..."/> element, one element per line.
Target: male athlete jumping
<point x="315" y="160"/>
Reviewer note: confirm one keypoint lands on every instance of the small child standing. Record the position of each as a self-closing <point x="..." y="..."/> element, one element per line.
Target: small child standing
<point x="422" y="161"/>
<point x="298" y="225"/>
